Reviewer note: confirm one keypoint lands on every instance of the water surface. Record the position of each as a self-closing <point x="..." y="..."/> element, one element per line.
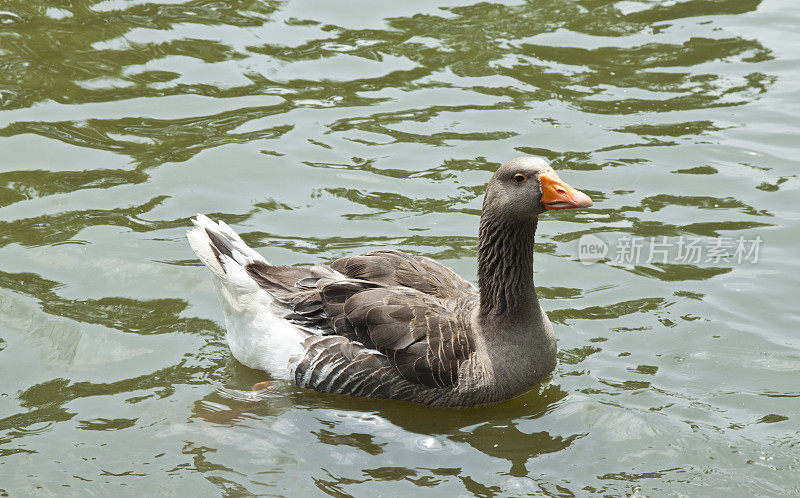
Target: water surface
<point x="320" y="129"/>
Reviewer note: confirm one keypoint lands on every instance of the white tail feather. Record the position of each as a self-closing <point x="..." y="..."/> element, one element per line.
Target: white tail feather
<point x="257" y="337"/>
<point x="204" y="247"/>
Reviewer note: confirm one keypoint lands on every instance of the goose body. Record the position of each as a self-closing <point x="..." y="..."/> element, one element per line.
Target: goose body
<point x="387" y="324"/>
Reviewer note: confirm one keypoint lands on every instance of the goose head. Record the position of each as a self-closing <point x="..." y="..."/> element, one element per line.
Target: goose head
<point x="525" y="187"/>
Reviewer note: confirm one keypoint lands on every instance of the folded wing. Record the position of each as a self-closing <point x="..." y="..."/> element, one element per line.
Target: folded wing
<point x="384" y="324"/>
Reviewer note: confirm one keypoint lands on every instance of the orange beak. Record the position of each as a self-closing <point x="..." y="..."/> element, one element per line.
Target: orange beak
<point x="557" y="194"/>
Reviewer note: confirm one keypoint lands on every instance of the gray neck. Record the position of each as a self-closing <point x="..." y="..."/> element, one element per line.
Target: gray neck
<point x="505" y="269"/>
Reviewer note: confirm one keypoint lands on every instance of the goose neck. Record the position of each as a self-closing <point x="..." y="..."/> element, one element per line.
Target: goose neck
<point x="505" y="268"/>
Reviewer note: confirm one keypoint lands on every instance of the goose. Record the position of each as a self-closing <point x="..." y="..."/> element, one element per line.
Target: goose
<point x="386" y="324"/>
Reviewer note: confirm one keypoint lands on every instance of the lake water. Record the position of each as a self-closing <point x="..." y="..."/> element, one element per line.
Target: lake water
<point x="322" y="129"/>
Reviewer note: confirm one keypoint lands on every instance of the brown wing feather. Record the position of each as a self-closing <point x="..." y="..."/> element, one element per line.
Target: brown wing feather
<point x="395" y="268"/>
<point x="412" y="310"/>
<point x="422" y="337"/>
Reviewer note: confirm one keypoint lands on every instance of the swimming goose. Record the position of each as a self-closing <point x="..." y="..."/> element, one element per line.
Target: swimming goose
<point x="387" y="324"/>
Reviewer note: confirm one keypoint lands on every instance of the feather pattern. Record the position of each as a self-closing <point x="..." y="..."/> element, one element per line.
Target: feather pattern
<point x="405" y="309"/>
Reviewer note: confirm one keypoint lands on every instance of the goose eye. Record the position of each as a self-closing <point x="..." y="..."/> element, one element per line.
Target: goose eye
<point x="520" y="178"/>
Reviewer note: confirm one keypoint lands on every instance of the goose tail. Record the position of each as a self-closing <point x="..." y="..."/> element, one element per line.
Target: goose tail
<point x="218" y="246"/>
<point x="257" y="337"/>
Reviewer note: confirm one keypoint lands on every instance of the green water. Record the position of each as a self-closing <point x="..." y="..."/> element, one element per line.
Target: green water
<point x="321" y="129"/>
